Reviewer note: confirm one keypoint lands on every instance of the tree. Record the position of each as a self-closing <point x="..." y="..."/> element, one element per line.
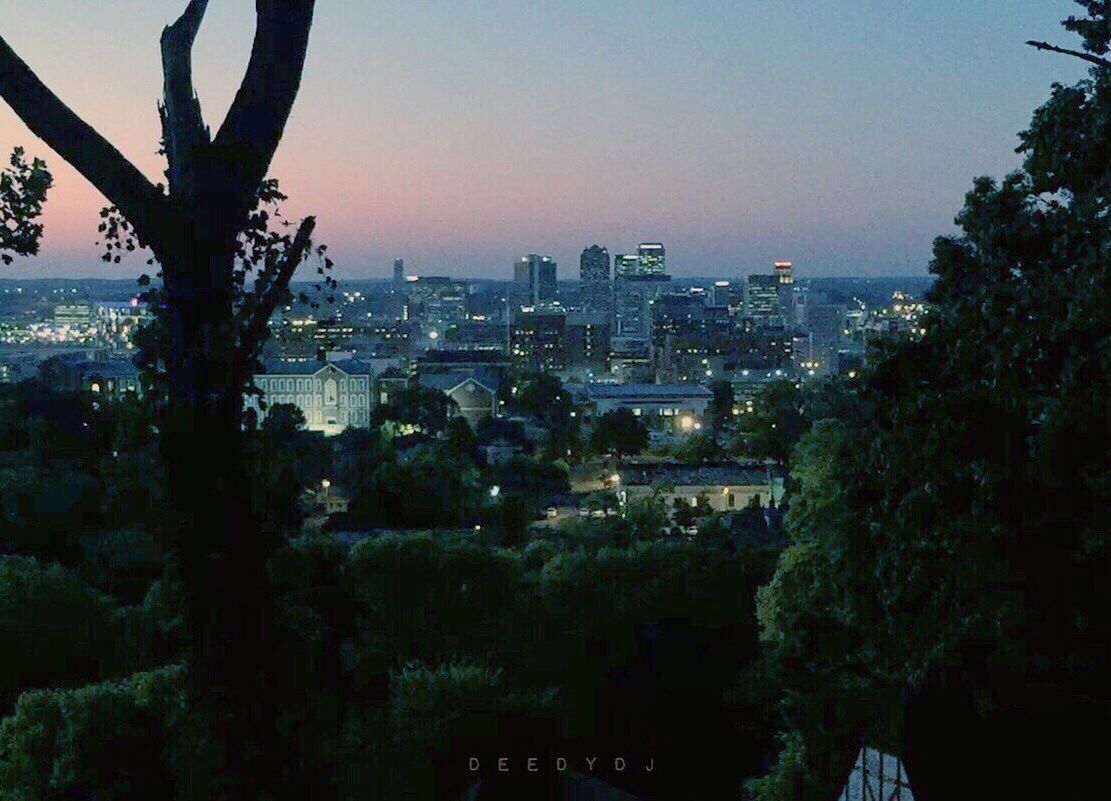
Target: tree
<point x="946" y="582"/>
<point x="198" y="228"/>
<point x="76" y="638"/>
<point x="459" y="437"/>
<point x="701" y="447"/>
<point x="118" y="739"/>
<point x="775" y="424"/>
<point x="619" y="432"/>
<point x="426" y="410"/>
<point x="283" y="421"/>
<point x="435" y="486"/>
<point x="720" y="411"/>
<point x="542" y="395"/>
<point x="23" y="189"/>
<point x="648" y="517"/>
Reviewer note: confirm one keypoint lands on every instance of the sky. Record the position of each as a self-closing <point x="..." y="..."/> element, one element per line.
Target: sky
<point x="840" y="134"/>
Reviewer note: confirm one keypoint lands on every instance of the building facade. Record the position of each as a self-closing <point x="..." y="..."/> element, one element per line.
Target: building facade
<point x="720" y="486"/>
<point x="534" y="281"/>
<point x="680" y="407"/>
<point x="652" y="258"/>
<point x="588" y="338"/>
<point x="625" y="265"/>
<point x="537" y="341"/>
<point x="596" y="286"/>
<point x="632" y="303"/>
<point x="762" y="296"/>
<point x="475" y="393"/>
<point x="333" y="396"/>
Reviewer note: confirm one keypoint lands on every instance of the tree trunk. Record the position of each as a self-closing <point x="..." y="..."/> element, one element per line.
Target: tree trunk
<point x="222" y="552"/>
<point x="214" y="183"/>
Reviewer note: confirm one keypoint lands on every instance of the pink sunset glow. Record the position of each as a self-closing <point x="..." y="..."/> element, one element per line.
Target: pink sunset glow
<point x="459" y="137"/>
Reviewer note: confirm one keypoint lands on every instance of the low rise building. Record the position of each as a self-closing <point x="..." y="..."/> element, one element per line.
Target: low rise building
<point x="721" y="486"/>
<point x="475" y="393"/>
<point x="333" y="396"/>
<point x="678" y="406"/>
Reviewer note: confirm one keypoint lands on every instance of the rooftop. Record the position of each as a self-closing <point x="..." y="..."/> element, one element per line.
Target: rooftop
<point x="348" y="366"/>
<point x="462" y="357"/>
<point x="662" y="392"/>
<point x="450" y="380"/>
<point x="691" y="475"/>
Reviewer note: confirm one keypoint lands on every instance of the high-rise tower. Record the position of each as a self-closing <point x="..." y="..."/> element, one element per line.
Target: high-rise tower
<point x="594" y="276"/>
<point x="652" y="258"/>
<point x="783" y="272"/>
<point x="534" y="280"/>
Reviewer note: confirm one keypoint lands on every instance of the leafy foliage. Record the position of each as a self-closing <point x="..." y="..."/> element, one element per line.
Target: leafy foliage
<point x="619" y="432"/>
<point x="962" y="546"/>
<point x="54" y="629"/>
<point x="23" y="189"/>
<point x="268" y="250"/>
<point x="117" y="740"/>
<point x="777" y="421"/>
<point x="542" y="396"/>
<point x="720" y="411"/>
<point x="424" y="410"/>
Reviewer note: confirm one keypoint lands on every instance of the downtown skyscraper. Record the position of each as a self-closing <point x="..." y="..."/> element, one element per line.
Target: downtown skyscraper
<point x="594" y="277"/>
<point x="626" y="265"/>
<point x="534" y="280"/>
<point x="652" y="258"/>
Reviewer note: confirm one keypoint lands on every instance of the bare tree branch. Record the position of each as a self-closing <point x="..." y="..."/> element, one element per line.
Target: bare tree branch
<point x="1102" y="62"/>
<point x="272" y="294"/>
<point x="246" y="142"/>
<point x="183" y="128"/>
<point x="74" y="140"/>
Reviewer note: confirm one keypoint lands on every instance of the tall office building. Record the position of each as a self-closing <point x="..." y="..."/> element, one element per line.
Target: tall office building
<point x="398" y="273"/>
<point x="594" y="277"/>
<point x="722" y="294"/>
<point x="546" y="284"/>
<point x="633" y="296"/>
<point x="827" y="324"/>
<point x="652" y="258"/>
<point x="534" y="280"/>
<point x="626" y="265"/>
<point x="537" y="341"/>
<point x="783" y="272"/>
<point x="762" y="296"/>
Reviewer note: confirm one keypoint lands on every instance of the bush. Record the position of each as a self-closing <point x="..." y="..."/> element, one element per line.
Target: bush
<point x="432" y="712"/>
<point x="116" y="740"/>
<point x="54" y="630"/>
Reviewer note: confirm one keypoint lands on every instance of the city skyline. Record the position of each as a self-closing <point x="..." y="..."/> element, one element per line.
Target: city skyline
<point x="414" y="138"/>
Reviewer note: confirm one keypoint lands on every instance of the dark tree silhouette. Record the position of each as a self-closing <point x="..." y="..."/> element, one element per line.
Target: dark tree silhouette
<point x="23" y="188"/>
<point x="194" y="227"/>
<point x="945" y="593"/>
<point x="619" y="432"/>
